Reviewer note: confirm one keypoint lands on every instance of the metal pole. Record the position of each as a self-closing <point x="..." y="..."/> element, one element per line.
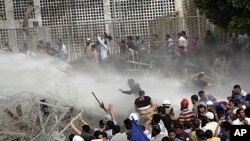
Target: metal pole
<point x="12" y="134"/>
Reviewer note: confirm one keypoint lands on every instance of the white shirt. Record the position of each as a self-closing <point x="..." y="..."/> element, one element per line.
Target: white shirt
<point x="183" y="41"/>
<point x="64" y="49"/>
<point x="103" y="49"/>
<point x="119" y="137"/>
<point x="109" y="133"/>
<point x="78" y="138"/>
<point x="211" y="126"/>
<point x="237" y="121"/>
<point x="243" y="93"/>
<point x="170" y="43"/>
<point x="63" y="52"/>
<point x="163" y="129"/>
<point x="158" y="137"/>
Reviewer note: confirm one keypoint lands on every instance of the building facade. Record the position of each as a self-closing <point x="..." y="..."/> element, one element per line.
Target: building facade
<point x="75" y="20"/>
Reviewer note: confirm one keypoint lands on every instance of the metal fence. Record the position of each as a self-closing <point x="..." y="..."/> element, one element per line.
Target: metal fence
<point x="74" y="36"/>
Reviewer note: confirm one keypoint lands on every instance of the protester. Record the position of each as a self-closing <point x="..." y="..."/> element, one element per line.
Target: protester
<point x="166" y="119"/>
<point x="181" y="134"/>
<point x="206" y="97"/>
<point x="73" y="137"/>
<point x="157" y="135"/>
<point x="87" y="133"/>
<point x="195" y="102"/>
<point x="209" y="40"/>
<point x="134" y="87"/>
<point x="62" y="50"/>
<point x="186" y="114"/>
<point x="172" y="135"/>
<point x="211" y="123"/>
<point x="242" y="119"/>
<point x="103" y="50"/>
<point x="169" y="43"/>
<point x="210" y="136"/>
<point x="167" y="105"/>
<point x="200" y="82"/>
<point x="143" y="104"/>
<point x="117" y="135"/>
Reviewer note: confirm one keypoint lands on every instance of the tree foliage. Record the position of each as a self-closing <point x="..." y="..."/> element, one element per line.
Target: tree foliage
<point x="230" y="15"/>
<point x="2" y="15"/>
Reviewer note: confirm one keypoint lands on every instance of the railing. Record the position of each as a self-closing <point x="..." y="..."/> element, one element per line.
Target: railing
<point x="74" y="36"/>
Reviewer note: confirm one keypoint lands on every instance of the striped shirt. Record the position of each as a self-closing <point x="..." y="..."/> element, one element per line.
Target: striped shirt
<point x="186" y="115"/>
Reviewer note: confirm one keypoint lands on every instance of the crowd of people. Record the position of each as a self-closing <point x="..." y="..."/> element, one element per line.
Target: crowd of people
<point x="182" y="51"/>
<point x="203" y="119"/>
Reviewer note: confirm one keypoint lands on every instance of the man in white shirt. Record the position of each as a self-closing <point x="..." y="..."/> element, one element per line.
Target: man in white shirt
<point x="237" y="90"/>
<point x="169" y="42"/>
<point x="182" y="42"/>
<point x="63" y="53"/>
<point x="117" y="135"/>
<point x="73" y="137"/>
<point x="211" y="125"/>
<point x="181" y="53"/>
<point x="103" y="48"/>
<point x="242" y="119"/>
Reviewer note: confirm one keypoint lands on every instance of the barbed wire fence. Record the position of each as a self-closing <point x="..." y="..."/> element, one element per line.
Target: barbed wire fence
<point x="31" y="116"/>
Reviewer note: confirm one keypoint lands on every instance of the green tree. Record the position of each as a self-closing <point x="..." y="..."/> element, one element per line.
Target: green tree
<point x="230" y="15"/>
<point x="2" y="15"/>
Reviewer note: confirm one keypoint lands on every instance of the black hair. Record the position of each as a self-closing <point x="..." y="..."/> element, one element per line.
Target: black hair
<point x="196" y="123"/>
<point x="97" y="133"/>
<point x="127" y="122"/>
<point x="226" y="125"/>
<point x="110" y="124"/>
<point x="71" y="136"/>
<point x="200" y="134"/>
<point x="194" y="97"/>
<point x="171" y="130"/>
<point x="116" y="129"/>
<point x="209" y="134"/>
<point x="101" y="122"/>
<point x="86" y="128"/>
<point x="238" y="111"/>
<point x="141" y="92"/>
<point x="187" y="124"/>
<point x="156" y="130"/>
<point x="104" y="134"/>
<point x="237" y="86"/>
<point x="156" y="118"/>
<point x="161" y="109"/>
<point x="183" y="32"/>
<point x="200" y="93"/>
<point x="165" y="139"/>
<point x="178" y="125"/>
